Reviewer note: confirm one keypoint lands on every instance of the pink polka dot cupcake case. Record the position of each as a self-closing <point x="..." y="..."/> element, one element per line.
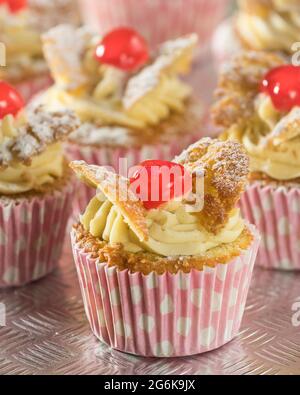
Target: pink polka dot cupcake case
<point x="36" y="189"/>
<point x="169" y="315"/>
<point x="276" y="213"/>
<point x="144" y="297"/>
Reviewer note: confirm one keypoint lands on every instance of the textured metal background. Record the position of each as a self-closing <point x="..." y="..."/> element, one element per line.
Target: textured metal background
<point x="47" y="332"/>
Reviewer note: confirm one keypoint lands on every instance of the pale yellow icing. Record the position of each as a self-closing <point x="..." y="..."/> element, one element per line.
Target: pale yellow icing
<point x="279" y="160"/>
<point x="104" y="95"/>
<point x="275" y="31"/>
<point x="45" y="168"/>
<point x="23" y="44"/>
<point x="172" y="230"/>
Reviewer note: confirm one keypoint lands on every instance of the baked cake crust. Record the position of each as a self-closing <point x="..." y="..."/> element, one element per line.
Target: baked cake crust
<point x="145" y="262"/>
<point x="225" y="166"/>
<point x="239" y="84"/>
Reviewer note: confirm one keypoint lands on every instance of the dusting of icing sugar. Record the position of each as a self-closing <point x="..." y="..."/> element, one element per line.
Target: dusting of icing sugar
<point x="176" y="47"/>
<point x="65" y="55"/>
<point x="287" y="129"/>
<point x="144" y="82"/>
<point x="39" y="130"/>
<point x="89" y="133"/>
<point x="148" y="78"/>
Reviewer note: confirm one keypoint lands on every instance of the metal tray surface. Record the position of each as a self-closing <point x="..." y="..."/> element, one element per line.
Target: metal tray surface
<point x="47" y="333"/>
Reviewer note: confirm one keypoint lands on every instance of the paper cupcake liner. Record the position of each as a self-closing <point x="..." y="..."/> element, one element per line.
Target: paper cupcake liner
<point x="31" y="236"/>
<point x="110" y="157"/>
<point x="224" y="43"/>
<point x="276" y="213"/>
<point x="165" y="315"/>
<point x="29" y="88"/>
<point x="157" y="20"/>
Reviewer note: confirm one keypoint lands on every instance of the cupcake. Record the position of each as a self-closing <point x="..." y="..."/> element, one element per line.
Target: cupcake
<point x="21" y="23"/>
<point x="258" y="104"/>
<point x="166" y="19"/>
<point x="131" y="103"/>
<point x="269" y="25"/>
<point x="164" y="264"/>
<point x="36" y="189"/>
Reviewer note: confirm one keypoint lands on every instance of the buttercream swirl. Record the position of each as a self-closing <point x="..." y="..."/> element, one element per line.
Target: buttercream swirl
<point x="172" y="230"/>
<point x="269" y="27"/>
<point x="44" y="168"/>
<point x="23" y="44"/>
<point x="279" y="158"/>
<point x="107" y="96"/>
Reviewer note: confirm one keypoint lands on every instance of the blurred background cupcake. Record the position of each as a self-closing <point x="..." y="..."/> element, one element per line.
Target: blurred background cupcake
<point x="271" y="25"/>
<point x="157" y="20"/>
<point x="36" y="189"/>
<point x="21" y="23"/>
<point x="258" y="100"/>
<point x="160" y="277"/>
<point x="131" y="102"/>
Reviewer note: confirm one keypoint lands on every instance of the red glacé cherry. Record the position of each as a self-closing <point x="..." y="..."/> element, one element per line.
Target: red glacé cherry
<point x="123" y="48"/>
<point x="14" y="5"/>
<point x="11" y="102"/>
<point x="282" y="84"/>
<point x="161" y="184"/>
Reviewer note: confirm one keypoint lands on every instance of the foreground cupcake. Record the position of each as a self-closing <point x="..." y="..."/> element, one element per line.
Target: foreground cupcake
<point x="131" y="104"/>
<point x="21" y="23"/>
<point x="258" y="104"/>
<point x="36" y="190"/>
<point x="159" y="276"/>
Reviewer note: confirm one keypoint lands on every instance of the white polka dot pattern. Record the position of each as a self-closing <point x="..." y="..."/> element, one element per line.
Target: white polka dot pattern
<point x="28" y="244"/>
<point x="278" y="223"/>
<point x="166" y="306"/>
<point x="166" y="315"/>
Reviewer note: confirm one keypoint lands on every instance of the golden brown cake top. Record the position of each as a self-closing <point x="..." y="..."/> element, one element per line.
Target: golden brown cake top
<point x="119" y="228"/>
<point x="146" y="262"/>
<point x="239" y="84"/>
<point x="225" y="166"/>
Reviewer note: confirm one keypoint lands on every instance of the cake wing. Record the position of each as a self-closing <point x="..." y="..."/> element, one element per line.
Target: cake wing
<point x="179" y="52"/>
<point x="116" y="190"/>
<point x="37" y="130"/>
<point x="174" y="57"/>
<point x="225" y="166"/>
<point x="287" y="129"/>
<point x="63" y="47"/>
